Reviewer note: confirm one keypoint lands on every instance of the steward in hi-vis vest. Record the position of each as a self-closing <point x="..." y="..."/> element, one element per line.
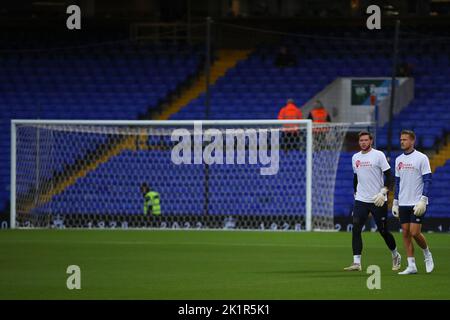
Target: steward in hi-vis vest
<point x="152" y="200"/>
<point x="319" y="115"/>
<point x="290" y="112"/>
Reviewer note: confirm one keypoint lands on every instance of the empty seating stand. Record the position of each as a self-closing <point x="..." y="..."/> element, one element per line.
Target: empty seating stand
<point x="117" y="80"/>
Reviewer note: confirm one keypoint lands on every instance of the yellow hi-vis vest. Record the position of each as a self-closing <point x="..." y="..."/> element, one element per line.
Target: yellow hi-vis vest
<point x="152" y="202"/>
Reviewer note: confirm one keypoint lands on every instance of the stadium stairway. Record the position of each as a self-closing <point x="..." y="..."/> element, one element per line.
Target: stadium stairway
<point x="440" y="157"/>
<point x="96" y="80"/>
<point x="59" y="186"/>
<point x="227" y="59"/>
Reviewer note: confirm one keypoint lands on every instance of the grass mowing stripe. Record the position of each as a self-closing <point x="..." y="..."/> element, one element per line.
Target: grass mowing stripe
<point x="209" y="265"/>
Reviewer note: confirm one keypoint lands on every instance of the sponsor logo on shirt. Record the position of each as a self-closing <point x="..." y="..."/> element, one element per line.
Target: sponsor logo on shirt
<point x="359" y="163"/>
<point x="405" y="166"/>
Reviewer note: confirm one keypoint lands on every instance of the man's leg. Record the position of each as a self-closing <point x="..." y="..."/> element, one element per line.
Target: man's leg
<point x="405" y="215"/>
<point x="407" y="240"/>
<point x="360" y="214"/>
<point x="380" y="216"/>
<point x="415" y="230"/>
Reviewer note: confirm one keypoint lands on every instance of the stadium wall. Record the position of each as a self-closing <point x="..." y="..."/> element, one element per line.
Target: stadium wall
<point x="220" y="222"/>
<point x="336" y="97"/>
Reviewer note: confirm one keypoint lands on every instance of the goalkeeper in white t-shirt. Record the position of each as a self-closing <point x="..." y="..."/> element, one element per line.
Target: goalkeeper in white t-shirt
<point x="372" y="179"/>
<point x="412" y="180"/>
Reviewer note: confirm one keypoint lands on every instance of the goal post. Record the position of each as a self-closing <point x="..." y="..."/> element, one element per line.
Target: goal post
<point x="12" y="221"/>
<point x="213" y="174"/>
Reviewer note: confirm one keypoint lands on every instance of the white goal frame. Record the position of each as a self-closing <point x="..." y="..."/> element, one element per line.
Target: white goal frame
<point x="309" y="146"/>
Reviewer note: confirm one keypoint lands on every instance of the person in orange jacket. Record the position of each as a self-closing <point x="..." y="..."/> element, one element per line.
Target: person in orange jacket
<point x="290" y="132"/>
<point x="319" y="115"/>
<point x="290" y="111"/>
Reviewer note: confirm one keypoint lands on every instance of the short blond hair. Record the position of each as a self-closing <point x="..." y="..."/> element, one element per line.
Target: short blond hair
<point x="410" y="133"/>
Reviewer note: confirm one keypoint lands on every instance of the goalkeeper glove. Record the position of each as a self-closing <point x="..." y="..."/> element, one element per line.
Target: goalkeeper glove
<point x="379" y="199"/>
<point x="395" y="209"/>
<point x="421" y="206"/>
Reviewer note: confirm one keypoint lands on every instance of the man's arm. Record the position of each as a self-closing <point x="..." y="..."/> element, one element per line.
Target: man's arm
<point x="395" y="208"/>
<point x="397" y="188"/>
<point x="355" y="176"/>
<point x="421" y="206"/>
<point x="147" y="204"/>
<point x="379" y="199"/>
<point x="426" y="176"/>
<point x="388" y="179"/>
<point x="426" y="184"/>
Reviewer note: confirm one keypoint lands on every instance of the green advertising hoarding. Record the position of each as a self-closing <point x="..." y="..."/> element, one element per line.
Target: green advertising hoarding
<point x="362" y="89"/>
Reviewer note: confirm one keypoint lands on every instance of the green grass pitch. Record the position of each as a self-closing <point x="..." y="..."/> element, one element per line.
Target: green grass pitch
<point x="219" y="265"/>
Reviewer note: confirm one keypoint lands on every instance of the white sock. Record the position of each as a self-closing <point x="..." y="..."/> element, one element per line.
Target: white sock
<point x="412" y="262"/>
<point x="357" y="259"/>
<point x="394" y="252"/>
<point x="426" y="252"/>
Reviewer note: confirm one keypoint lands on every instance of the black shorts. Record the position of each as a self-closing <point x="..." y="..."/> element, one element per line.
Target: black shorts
<point x="406" y="215"/>
<point x="361" y="212"/>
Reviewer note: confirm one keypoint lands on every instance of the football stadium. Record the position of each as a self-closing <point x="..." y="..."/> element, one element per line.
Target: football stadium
<point x="225" y="150"/>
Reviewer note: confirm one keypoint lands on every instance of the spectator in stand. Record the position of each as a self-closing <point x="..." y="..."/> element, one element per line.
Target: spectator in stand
<point x="285" y="59"/>
<point x="404" y="70"/>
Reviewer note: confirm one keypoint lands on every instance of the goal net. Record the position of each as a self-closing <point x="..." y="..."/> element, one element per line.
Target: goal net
<point x="260" y="174"/>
